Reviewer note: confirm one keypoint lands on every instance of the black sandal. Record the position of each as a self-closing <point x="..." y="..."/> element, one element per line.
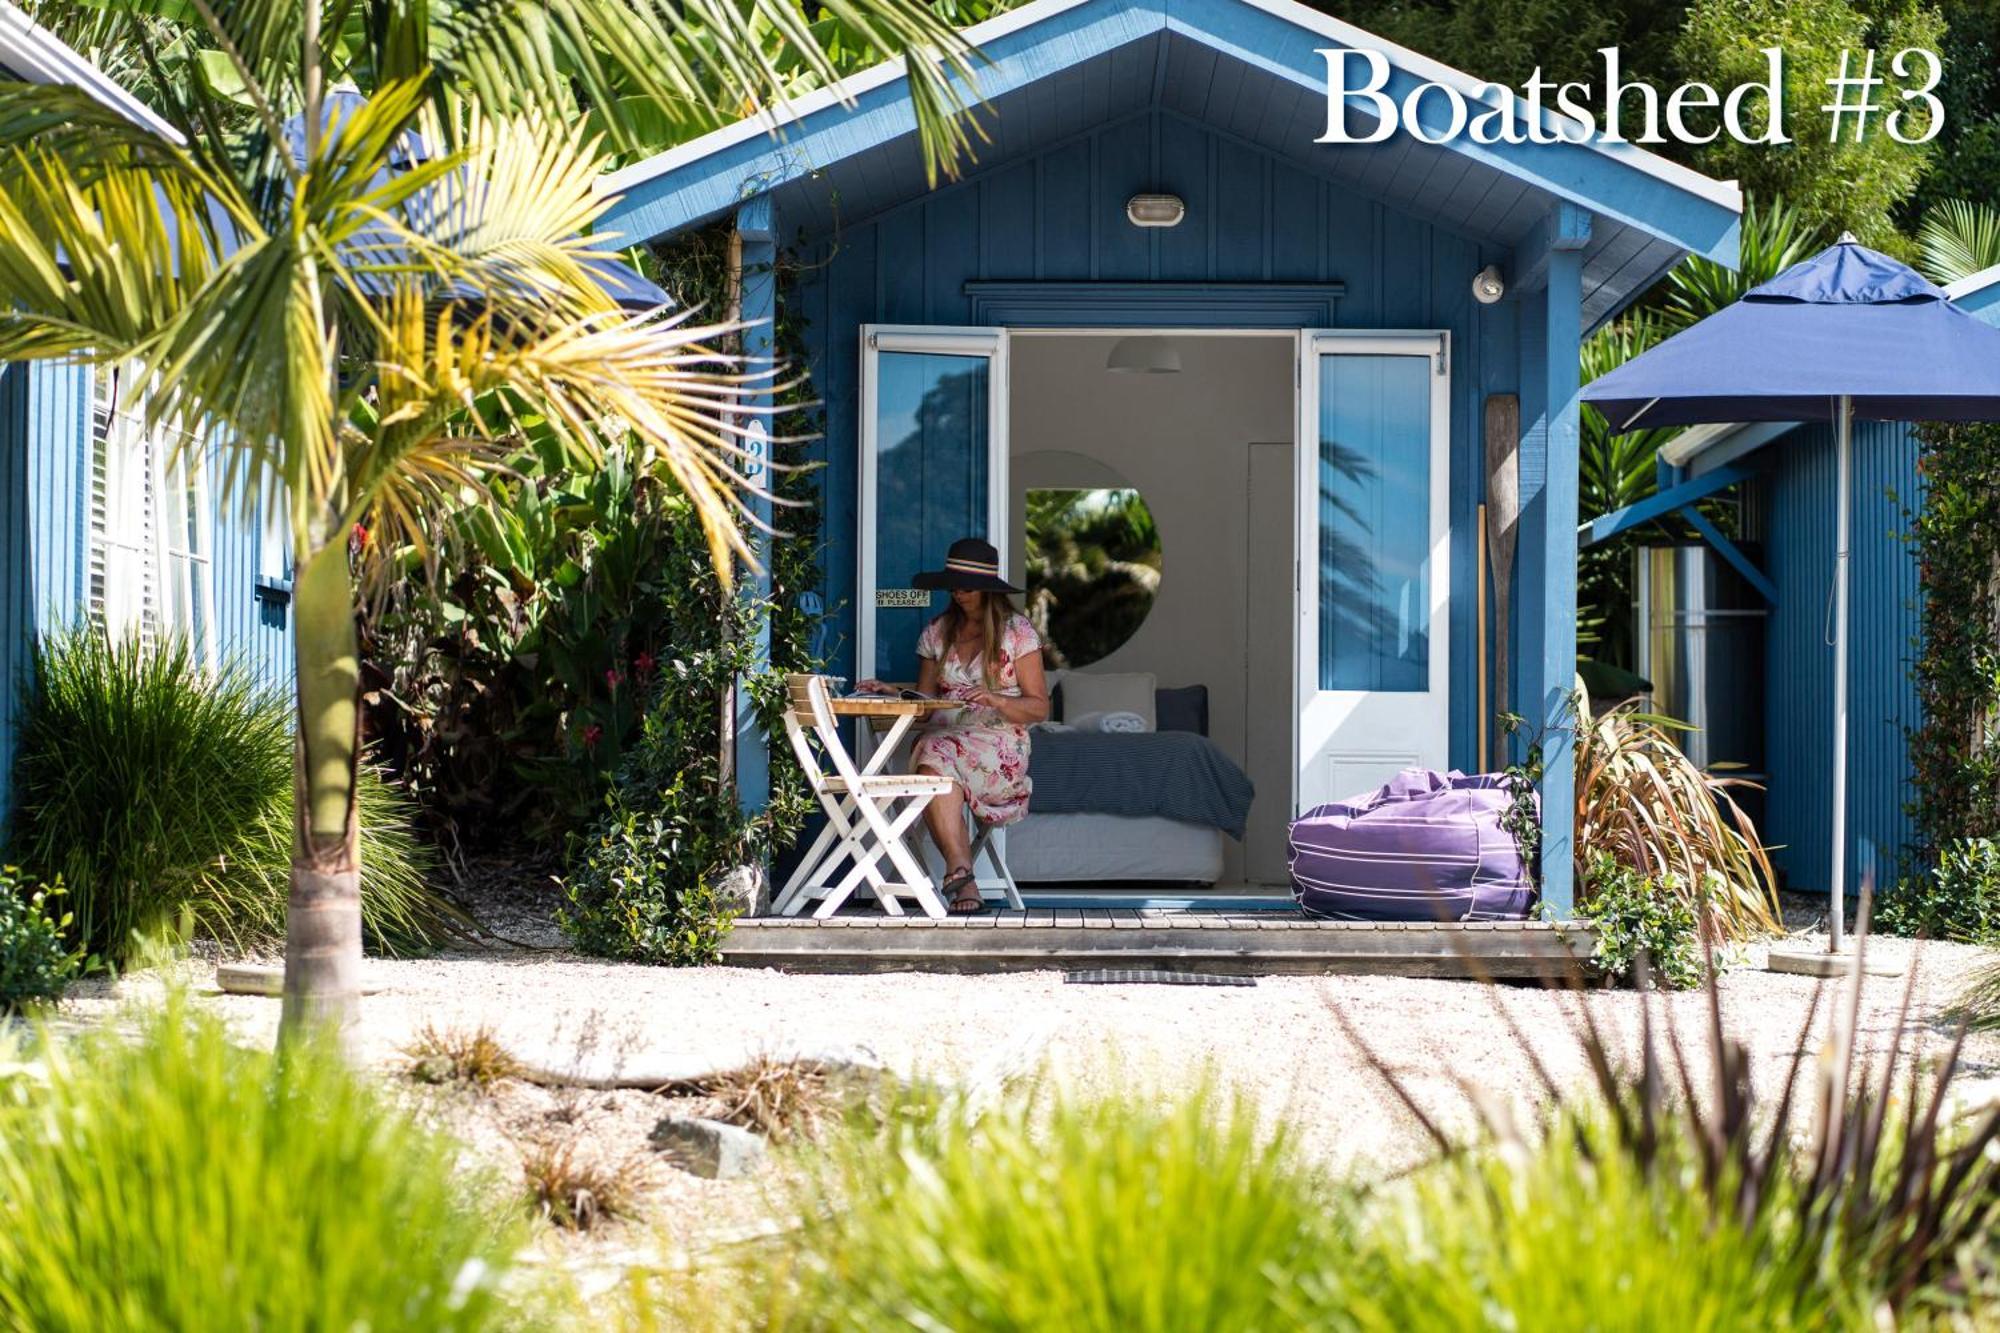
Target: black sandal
<point x="962" y="895"/>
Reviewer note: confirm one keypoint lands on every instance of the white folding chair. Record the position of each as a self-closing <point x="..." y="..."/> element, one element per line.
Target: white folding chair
<point x="985" y="844"/>
<point x="867" y="813"/>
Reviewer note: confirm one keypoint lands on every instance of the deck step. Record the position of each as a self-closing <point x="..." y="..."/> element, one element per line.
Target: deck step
<point x="1269" y="944"/>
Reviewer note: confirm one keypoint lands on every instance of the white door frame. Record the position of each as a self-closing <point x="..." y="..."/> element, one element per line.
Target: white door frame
<point x="1434" y="344"/>
<point x="990" y="343"/>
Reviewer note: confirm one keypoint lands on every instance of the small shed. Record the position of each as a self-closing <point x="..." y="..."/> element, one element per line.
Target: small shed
<point x="1786" y="475"/>
<point x="103" y="520"/>
<point x="1152" y="192"/>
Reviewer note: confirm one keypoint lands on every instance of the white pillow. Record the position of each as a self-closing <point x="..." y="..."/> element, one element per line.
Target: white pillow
<point x="1109" y="692"/>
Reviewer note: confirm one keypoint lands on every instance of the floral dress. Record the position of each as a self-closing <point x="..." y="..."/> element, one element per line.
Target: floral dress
<point x="983" y="752"/>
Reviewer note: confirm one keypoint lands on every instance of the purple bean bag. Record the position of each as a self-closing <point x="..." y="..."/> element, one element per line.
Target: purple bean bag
<point x="1426" y="847"/>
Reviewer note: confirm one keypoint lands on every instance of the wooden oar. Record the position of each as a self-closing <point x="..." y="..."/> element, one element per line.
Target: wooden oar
<point x="1503" y="515"/>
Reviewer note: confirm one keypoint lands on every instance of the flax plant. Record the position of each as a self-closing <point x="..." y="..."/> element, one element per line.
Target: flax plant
<point x="1641" y="801"/>
<point x="361" y="310"/>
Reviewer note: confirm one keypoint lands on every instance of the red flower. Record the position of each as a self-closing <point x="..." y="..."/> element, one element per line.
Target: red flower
<point x="612" y="675"/>
<point x="642" y="666"/>
<point x="360" y="534"/>
<point x="592" y="734"/>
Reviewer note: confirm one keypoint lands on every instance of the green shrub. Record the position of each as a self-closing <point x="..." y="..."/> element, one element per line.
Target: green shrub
<point x="644" y="886"/>
<point x="154" y="789"/>
<point x="1567" y="1232"/>
<point x="1134" y="1213"/>
<point x="1959" y="901"/>
<point x="35" y="964"/>
<point x="176" y="1182"/>
<point x="1633" y="915"/>
<point x="1057" y="1213"/>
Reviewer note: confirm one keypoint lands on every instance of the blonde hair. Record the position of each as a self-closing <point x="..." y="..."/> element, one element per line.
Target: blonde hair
<point x="997" y="610"/>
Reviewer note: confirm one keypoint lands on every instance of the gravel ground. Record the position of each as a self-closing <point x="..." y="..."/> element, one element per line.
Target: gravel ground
<point x="1448" y="1043"/>
<point x="1277" y="1040"/>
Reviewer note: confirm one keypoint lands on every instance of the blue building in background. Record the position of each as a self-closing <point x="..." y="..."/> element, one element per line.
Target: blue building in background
<point x="104" y="521"/>
<point x="1787" y="509"/>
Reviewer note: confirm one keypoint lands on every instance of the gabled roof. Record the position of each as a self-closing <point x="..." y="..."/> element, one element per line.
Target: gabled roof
<point x="1250" y="69"/>
<point x="1704" y="448"/>
<point x="1978" y="294"/>
<point x="32" y="54"/>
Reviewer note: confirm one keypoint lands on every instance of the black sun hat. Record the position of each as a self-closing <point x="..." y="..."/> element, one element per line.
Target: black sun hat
<point x="971" y="563"/>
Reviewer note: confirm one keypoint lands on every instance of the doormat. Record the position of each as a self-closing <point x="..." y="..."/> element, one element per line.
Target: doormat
<point x="1151" y="976"/>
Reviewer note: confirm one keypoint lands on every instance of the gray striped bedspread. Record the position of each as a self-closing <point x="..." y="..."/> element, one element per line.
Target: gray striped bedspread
<point x="1171" y="774"/>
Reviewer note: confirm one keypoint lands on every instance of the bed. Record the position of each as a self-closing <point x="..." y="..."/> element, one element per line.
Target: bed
<point x="1149" y="806"/>
<point x="1113" y="849"/>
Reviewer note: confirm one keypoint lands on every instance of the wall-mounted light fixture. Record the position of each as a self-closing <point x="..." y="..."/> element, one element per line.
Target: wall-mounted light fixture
<point x="1144" y="355"/>
<point x="1155" y="210"/>
<point x="1487" y="286"/>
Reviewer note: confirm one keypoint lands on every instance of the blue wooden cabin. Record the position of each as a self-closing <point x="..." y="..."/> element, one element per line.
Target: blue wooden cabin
<point x="1314" y="468"/>
<point x="1784" y="475"/>
<point x="105" y="521"/>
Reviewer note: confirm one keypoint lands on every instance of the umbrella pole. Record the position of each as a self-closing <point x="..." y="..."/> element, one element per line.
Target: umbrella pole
<point x="1843" y="485"/>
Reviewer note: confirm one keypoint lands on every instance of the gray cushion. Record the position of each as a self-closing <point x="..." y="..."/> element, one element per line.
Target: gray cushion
<point x="1183" y="709"/>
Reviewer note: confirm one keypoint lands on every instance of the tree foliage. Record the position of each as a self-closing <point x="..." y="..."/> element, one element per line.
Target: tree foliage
<point x="1955" y="748"/>
<point x="1843" y="186"/>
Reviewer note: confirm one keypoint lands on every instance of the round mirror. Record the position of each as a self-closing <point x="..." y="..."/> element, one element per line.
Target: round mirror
<point x="1093" y="569"/>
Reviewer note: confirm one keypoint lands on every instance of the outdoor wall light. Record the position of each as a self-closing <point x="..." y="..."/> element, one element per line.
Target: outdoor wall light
<point x="1155" y="210"/>
<point x="1487" y="286"/>
<point x="1144" y="356"/>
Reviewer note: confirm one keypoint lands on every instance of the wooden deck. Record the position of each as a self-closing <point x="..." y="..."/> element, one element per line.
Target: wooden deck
<point x="1070" y="939"/>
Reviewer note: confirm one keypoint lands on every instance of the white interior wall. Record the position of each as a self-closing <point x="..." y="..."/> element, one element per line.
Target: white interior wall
<point x="1191" y="443"/>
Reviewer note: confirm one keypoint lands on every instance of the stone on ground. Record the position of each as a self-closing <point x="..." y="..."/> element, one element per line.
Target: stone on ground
<point x="709" y="1148"/>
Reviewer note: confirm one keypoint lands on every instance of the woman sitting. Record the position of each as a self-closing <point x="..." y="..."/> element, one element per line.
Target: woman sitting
<point x="983" y="653"/>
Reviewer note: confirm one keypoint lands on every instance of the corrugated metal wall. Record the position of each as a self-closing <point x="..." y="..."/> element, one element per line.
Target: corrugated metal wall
<point x="44" y="419"/>
<point x="255" y="630"/>
<point x="44" y="457"/>
<point x="1796" y="514"/>
<point x="1060" y="215"/>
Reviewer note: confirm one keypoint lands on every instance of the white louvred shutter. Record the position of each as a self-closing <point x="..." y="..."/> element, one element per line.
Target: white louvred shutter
<point x="126" y="592"/>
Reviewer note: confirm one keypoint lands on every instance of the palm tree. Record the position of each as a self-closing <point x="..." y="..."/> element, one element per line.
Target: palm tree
<point x="362" y="327"/>
<point x="1958" y="238"/>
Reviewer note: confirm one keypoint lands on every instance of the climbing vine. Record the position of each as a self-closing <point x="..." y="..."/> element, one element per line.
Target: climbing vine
<point x="648" y="880"/>
<point x="1955" y="749"/>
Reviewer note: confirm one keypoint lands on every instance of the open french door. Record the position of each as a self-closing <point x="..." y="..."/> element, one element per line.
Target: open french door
<point x="1374" y="566"/>
<point x="933" y="469"/>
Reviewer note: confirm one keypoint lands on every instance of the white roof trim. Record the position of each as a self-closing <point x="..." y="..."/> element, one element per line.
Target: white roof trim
<point x="1978" y="282"/>
<point x="1724" y="193"/>
<point x="35" y="54"/>
<point x="1697" y="439"/>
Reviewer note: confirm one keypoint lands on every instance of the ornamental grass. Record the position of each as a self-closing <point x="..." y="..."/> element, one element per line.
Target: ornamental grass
<point x="158" y="789"/>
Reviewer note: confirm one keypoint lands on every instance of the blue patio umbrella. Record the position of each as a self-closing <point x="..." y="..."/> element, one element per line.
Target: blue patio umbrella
<point x="1848" y="333"/>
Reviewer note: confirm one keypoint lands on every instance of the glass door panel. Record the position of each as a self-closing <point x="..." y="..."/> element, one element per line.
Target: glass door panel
<point x="1374" y="528"/>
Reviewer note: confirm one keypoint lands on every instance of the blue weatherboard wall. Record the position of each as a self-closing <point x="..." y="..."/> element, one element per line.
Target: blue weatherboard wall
<point x="1059" y="215"/>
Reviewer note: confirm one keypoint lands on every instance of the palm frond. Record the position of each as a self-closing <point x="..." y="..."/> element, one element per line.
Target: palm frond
<point x="456" y="384"/>
<point x="100" y="257"/>
<point x="699" y="64"/>
<point x="1958" y="238"/>
<point x="1775" y="236"/>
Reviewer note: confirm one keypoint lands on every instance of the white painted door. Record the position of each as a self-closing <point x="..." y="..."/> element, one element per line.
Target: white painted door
<point x="1373" y="567"/>
<point x="933" y="469"/>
